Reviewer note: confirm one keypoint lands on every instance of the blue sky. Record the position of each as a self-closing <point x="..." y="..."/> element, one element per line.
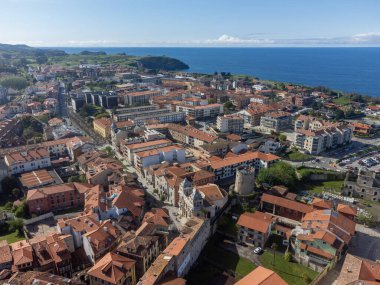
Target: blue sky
<point x="190" y="23"/>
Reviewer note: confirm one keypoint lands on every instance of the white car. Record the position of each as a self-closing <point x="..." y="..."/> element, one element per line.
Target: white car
<point x="258" y="250"/>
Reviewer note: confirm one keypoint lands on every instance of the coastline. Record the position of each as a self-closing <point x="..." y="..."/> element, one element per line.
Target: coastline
<point x="351" y="70"/>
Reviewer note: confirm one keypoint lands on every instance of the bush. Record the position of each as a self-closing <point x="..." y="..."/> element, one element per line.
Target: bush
<point x="366" y="219"/>
<point x="17" y="225"/>
<point x="78" y="178"/>
<point x="8" y="206"/>
<point x="22" y="211"/>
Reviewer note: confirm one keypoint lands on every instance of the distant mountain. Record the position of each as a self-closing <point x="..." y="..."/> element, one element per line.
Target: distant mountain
<point x="7" y="47"/>
<point x="30" y="50"/>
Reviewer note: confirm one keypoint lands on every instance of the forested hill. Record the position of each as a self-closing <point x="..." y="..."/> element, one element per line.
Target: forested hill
<point x="33" y="55"/>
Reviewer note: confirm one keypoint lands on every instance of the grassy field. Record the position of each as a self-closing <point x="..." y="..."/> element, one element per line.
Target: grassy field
<point x="292" y="273"/>
<point x="12" y="237"/>
<point x="304" y="170"/>
<point x="297" y="156"/>
<point x="330" y="186"/>
<point x="342" y="100"/>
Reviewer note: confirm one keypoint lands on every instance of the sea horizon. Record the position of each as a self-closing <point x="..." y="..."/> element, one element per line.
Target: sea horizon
<point x="347" y="69"/>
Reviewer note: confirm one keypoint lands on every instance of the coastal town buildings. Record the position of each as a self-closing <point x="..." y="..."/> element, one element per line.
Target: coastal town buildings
<point x="230" y="124"/>
<point x="316" y="136"/>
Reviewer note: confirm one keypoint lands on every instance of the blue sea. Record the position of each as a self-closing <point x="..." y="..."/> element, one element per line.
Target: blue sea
<point x="345" y="69"/>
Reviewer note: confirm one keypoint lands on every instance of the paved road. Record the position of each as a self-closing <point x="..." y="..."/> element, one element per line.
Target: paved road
<point x="366" y="243"/>
<point x="242" y="251"/>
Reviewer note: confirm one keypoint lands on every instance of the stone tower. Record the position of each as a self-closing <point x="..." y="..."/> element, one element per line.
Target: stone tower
<point x="245" y="181"/>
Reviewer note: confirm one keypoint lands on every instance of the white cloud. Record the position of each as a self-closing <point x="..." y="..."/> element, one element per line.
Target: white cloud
<point x="373" y="38"/>
<point x="367" y="39"/>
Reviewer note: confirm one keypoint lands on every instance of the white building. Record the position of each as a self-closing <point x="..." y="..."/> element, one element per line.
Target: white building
<point x="230" y="124"/>
<point x="29" y="160"/>
<point x="315" y="136"/>
<point x="172" y="153"/>
<point x="270" y="146"/>
<point x="201" y="111"/>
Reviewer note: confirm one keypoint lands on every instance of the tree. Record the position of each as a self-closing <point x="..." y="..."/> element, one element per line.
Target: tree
<point x="22" y="211"/>
<point x="18" y="83"/>
<point x="43" y="59"/>
<point x="229" y="106"/>
<point x="77" y="178"/>
<point x="17" y="225"/>
<point x="16" y="192"/>
<point x="8" y="183"/>
<point x="281" y="173"/>
<point x="339" y="114"/>
<point x="282" y="137"/>
<point x="274" y="248"/>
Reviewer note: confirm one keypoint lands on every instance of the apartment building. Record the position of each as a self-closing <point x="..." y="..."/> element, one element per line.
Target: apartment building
<point x="124" y="114"/>
<point x="316" y="136"/>
<point x="113" y="269"/>
<point x="180" y="254"/>
<point x="172" y="153"/>
<point x="100" y="241"/>
<point x="276" y="121"/>
<point x="104" y="172"/>
<point x="259" y="99"/>
<point x="78" y="226"/>
<point x="225" y="168"/>
<point x="201" y="111"/>
<point x="102" y="126"/>
<point x="28" y="160"/>
<point x="141" y="248"/>
<point x="255" y="111"/>
<point x="189" y="135"/>
<point x="129" y="150"/>
<point x="140" y="97"/>
<point x="230" y="124"/>
<point x="57" y="197"/>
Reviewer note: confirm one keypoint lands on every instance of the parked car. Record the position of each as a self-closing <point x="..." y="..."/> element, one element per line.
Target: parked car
<point x="258" y="250"/>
